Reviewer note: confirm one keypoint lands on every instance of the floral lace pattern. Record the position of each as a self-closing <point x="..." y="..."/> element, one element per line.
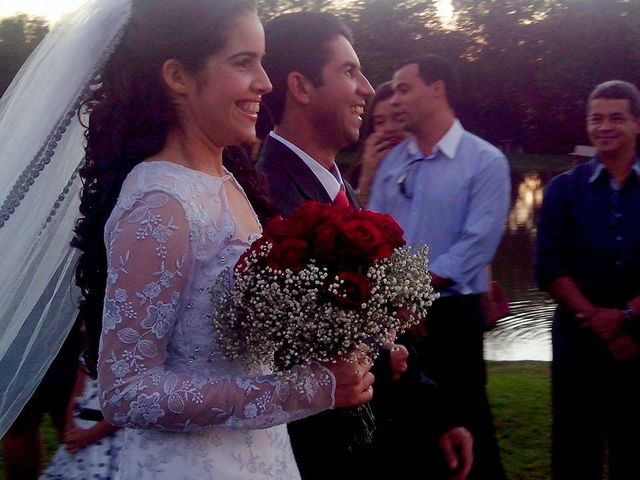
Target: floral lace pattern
<point x="169" y="236"/>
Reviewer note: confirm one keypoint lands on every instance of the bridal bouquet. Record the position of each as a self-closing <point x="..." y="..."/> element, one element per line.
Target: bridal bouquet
<point x="317" y="285"/>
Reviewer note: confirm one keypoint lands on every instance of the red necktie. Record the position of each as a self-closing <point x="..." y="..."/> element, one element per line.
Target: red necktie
<point x="341" y="199"/>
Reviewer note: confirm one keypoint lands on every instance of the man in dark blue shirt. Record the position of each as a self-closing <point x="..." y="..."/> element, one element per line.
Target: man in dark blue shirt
<point x="588" y="259"/>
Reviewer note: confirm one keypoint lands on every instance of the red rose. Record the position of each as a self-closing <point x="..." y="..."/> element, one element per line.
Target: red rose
<point x="325" y="243"/>
<point x="282" y="228"/>
<point x="290" y="253"/>
<point x="364" y="239"/>
<point x="316" y="214"/>
<point x="353" y="290"/>
<point x="393" y="233"/>
<point x="310" y="214"/>
<point x="340" y="214"/>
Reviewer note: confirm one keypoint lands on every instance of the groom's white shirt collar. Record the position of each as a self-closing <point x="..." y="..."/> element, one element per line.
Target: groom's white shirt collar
<point x="330" y="183"/>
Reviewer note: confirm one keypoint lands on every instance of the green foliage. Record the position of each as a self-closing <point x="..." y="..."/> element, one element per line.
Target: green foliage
<point x="268" y="9"/>
<point x="19" y="35"/>
<point x="526" y="66"/>
<point x="534" y="62"/>
<point x="388" y="32"/>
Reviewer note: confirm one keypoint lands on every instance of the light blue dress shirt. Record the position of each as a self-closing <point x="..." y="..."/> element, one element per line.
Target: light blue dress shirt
<point x="455" y="201"/>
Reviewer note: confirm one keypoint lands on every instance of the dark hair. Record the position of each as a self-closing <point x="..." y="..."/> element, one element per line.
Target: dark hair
<point x="130" y="115"/>
<point x="618" y="90"/>
<point x="384" y="91"/>
<point x="297" y="42"/>
<point x="432" y="68"/>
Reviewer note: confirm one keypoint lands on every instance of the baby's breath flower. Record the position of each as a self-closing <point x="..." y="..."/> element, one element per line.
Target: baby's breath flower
<point x="286" y="318"/>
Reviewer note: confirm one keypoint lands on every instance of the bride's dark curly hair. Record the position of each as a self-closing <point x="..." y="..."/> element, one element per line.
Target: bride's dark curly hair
<point x="130" y="115"/>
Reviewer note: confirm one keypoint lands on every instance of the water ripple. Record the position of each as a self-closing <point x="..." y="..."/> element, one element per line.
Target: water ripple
<point x="525" y="335"/>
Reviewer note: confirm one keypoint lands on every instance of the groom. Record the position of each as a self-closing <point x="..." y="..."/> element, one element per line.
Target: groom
<point x="318" y="97"/>
<point x="319" y="94"/>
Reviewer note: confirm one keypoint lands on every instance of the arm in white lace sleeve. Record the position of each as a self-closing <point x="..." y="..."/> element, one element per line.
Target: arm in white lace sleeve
<point x="149" y="269"/>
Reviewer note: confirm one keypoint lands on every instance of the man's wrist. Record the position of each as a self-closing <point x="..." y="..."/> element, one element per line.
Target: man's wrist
<point x="631" y="323"/>
<point x="634" y="306"/>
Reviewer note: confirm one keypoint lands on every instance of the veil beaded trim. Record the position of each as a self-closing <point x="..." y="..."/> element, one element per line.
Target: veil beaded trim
<point x="41" y="152"/>
<point x="35" y="167"/>
<point x="60" y="199"/>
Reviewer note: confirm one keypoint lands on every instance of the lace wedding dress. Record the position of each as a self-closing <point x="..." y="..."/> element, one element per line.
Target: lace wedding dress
<point x="188" y="412"/>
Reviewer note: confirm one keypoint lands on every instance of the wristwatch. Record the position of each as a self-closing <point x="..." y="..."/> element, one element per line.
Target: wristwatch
<point x="631" y="323"/>
<point x="628" y="317"/>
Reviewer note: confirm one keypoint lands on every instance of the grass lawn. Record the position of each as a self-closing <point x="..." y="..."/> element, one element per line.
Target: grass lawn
<point x="520" y="395"/>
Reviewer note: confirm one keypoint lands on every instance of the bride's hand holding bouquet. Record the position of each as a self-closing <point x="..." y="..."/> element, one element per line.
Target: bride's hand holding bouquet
<point x="354" y="381"/>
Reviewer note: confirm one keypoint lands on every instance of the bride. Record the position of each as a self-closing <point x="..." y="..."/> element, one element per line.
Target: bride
<point x="161" y="218"/>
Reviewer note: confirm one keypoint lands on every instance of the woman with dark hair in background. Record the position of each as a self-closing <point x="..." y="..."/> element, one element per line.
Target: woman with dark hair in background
<point x="381" y="131"/>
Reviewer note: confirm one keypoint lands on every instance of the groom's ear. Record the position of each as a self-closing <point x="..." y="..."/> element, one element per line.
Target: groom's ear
<point x="299" y="87"/>
<point x="175" y="77"/>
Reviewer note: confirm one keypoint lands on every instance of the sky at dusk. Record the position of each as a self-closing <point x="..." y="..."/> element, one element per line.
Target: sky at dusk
<point x="52" y="10"/>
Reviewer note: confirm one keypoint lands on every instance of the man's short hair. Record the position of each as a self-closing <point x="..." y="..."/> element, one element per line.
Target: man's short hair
<point x="297" y="42"/>
<point x="618" y="90"/>
<point x="432" y="68"/>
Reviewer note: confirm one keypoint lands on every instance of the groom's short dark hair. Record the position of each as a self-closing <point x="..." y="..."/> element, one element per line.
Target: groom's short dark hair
<point x="297" y="42"/>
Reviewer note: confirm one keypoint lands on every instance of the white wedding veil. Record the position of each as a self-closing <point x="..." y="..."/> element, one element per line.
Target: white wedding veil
<point x="41" y="149"/>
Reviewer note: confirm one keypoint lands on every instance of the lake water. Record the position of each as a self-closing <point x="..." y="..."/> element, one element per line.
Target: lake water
<point x="525" y="335"/>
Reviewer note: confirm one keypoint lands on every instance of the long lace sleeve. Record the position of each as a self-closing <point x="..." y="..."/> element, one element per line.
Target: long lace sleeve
<point x="150" y="263"/>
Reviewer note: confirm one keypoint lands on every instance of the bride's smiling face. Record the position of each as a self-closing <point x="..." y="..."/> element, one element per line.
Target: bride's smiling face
<point x="221" y="101"/>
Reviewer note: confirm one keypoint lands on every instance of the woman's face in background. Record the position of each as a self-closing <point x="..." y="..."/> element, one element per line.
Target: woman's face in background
<point x="387" y="121"/>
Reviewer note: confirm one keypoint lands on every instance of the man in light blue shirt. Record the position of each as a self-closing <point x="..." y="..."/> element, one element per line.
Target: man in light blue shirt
<point x="450" y="190"/>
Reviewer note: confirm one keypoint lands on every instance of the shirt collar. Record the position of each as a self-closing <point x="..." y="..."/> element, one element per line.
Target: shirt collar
<point x="598" y="168"/>
<point x="448" y="144"/>
<point x="330" y="181"/>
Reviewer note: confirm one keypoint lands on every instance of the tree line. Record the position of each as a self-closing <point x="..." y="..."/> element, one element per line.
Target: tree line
<point x="19" y="35"/>
<point x="526" y="66"/>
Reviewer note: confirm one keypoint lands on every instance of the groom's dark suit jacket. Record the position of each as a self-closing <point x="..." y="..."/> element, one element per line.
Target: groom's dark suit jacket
<point x="290" y="180"/>
<point x="320" y="443"/>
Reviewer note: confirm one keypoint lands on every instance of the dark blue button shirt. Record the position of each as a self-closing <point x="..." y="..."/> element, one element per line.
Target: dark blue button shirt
<point x="590" y="230"/>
